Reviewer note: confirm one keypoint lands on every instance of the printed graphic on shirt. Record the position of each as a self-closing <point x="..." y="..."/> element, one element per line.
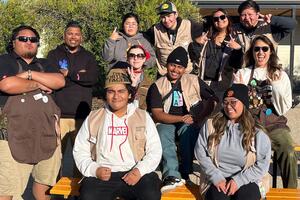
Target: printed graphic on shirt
<point x="118" y="136"/>
<point x="63" y="64"/>
<point x="117" y="130"/>
<point x="177" y="99"/>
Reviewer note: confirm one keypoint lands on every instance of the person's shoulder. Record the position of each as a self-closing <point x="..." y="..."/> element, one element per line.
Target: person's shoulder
<point x="58" y="50"/>
<point x="261" y="134"/>
<point x="5" y="56"/>
<point x="7" y="59"/>
<point x="87" y="52"/>
<point x="190" y="77"/>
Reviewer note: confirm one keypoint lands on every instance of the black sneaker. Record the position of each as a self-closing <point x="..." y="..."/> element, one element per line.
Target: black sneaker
<point x="170" y="183"/>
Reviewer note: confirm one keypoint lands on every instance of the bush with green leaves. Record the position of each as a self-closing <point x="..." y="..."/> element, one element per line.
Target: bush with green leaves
<point x="97" y="17"/>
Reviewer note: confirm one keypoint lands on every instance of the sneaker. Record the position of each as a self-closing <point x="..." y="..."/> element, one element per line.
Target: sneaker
<point x="170" y="183"/>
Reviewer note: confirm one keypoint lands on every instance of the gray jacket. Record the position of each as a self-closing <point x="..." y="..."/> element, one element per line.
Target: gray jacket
<point x="231" y="156"/>
<point x="115" y="50"/>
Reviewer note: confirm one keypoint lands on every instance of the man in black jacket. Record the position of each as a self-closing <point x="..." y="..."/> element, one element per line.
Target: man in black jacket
<point x="80" y="70"/>
<point x="253" y="23"/>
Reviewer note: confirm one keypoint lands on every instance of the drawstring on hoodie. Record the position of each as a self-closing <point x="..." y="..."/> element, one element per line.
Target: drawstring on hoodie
<point x="112" y="135"/>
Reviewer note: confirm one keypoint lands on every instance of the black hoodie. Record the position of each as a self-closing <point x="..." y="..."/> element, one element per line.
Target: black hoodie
<point x="75" y="98"/>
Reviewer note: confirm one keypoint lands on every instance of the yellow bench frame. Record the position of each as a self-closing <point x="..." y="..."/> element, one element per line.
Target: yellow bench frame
<point x="283" y="194"/>
<point x="67" y="186"/>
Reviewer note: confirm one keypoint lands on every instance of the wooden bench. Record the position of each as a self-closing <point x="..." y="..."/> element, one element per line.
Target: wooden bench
<point x="274" y="184"/>
<point x="67" y="186"/>
<point x="283" y="194"/>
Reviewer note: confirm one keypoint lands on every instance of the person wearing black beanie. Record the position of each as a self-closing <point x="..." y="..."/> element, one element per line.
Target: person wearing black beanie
<point x="178" y="56"/>
<point x="240" y="92"/>
<point x="178" y="102"/>
<point x="230" y="147"/>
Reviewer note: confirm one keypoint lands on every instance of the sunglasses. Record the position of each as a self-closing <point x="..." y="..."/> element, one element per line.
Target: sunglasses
<point x="139" y="56"/>
<point x="25" y="39"/>
<point x="264" y="49"/>
<point x="232" y="103"/>
<point x="216" y="19"/>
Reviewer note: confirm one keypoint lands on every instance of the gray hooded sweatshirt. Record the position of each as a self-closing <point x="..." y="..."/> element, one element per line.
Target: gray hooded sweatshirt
<point x="231" y="156"/>
<point x="115" y="50"/>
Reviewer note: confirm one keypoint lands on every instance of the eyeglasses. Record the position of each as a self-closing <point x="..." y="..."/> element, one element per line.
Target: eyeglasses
<point x="139" y="55"/>
<point x="264" y="48"/>
<point x="25" y="39"/>
<point x="130" y="24"/>
<point x="232" y="103"/>
<point x="216" y="19"/>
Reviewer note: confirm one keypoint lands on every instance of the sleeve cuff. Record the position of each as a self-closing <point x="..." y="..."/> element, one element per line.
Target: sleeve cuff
<point x="217" y="178"/>
<point x="238" y="181"/>
<point x="93" y="168"/>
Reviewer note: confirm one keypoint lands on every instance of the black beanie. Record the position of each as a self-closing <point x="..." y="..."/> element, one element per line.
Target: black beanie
<point x="178" y="56"/>
<point x="238" y="91"/>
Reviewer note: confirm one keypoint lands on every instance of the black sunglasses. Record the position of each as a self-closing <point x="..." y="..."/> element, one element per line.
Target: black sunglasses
<point x="264" y="48"/>
<point x="216" y="19"/>
<point x="25" y="39"/>
<point x="139" y="55"/>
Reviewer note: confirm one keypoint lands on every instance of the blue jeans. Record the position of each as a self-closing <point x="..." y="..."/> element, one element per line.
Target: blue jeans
<point x="187" y="135"/>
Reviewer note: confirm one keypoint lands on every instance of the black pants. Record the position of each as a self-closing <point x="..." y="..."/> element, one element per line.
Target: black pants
<point x="148" y="188"/>
<point x="246" y="192"/>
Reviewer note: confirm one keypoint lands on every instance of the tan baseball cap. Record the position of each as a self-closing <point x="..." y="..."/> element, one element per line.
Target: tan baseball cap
<point x="116" y="76"/>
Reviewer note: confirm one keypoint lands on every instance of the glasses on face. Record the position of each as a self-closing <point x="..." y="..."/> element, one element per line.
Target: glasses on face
<point x="138" y="56"/>
<point x="264" y="48"/>
<point x="232" y="103"/>
<point x="216" y="19"/>
<point x="25" y="39"/>
<point x="130" y="24"/>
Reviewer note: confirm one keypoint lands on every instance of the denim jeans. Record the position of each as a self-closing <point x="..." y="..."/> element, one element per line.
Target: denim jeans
<point x="187" y="135"/>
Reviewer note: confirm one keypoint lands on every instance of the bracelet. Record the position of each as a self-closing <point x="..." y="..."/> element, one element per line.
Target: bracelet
<point x="29" y="75"/>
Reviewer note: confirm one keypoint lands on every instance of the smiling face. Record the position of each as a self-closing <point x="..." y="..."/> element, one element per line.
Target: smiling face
<point x="220" y="20"/>
<point x="233" y="108"/>
<point x="130" y="26"/>
<point x="174" y="71"/>
<point x="136" y="58"/>
<point x="261" y="53"/>
<point x="73" y="38"/>
<point x="28" y="49"/>
<point x="169" y="20"/>
<point x="117" y="97"/>
<point x="249" y="18"/>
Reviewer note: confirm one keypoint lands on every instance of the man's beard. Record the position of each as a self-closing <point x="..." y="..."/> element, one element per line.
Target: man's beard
<point x="29" y="55"/>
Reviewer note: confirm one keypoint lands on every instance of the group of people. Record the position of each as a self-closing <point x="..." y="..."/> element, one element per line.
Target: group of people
<point x="220" y="93"/>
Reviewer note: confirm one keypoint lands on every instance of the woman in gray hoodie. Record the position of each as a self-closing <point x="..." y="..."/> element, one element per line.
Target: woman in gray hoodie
<point x="225" y="145"/>
<point x="116" y="46"/>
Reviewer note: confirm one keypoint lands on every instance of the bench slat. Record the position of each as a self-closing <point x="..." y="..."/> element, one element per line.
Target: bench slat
<point x="283" y="193"/>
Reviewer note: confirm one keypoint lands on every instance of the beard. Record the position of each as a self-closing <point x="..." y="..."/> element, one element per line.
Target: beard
<point x="29" y="54"/>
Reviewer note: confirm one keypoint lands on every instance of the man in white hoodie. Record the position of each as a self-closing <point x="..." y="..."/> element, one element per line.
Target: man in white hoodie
<point x="118" y="148"/>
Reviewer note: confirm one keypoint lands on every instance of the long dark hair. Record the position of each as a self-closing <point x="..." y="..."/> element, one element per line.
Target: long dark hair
<point x="14" y="34"/>
<point x="273" y="65"/>
<point x="213" y="31"/>
<point x="247" y="126"/>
